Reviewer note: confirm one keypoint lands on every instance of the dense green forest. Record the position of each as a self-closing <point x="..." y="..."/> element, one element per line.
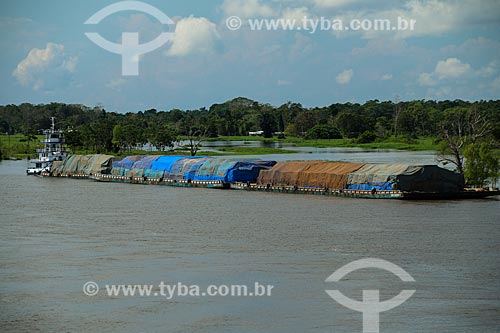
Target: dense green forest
<point x="240" y="116"/>
<point x="452" y="125"/>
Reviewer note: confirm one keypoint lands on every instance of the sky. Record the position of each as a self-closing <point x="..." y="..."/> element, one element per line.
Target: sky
<point x="453" y="52"/>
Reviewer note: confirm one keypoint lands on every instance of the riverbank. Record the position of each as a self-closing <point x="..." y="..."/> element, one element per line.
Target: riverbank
<point x="17" y="147"/>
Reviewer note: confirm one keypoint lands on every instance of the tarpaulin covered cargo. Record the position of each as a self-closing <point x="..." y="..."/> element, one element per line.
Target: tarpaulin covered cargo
<point x="57" y="167"/>
<point x="284" y="173"/>
<point x="145" y="162"/>
<point x="136" y="173"/>
<point x="73" y="164"/>
<point x="164" y="163"/>
<point x="185" y="168"/>
<point x="118" y="171"/>
<point x="127" y="162"/>
<point x="405" y="177"/>
<point x="150" y="173"/>
<point x="328" y="174"/>
<point x="309" y="173"/>
<point x="83" y="164"/>
<point x="230" y="170"/>
<point x="97" y="163"/>
<point x="431" y="178"/>
<point x="377" y="173"/>
<point x="247" y="171"/>
<point x="214" y="169"/>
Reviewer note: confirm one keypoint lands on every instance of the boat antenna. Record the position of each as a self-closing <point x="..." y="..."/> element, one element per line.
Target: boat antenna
<point x="53" y="124"/>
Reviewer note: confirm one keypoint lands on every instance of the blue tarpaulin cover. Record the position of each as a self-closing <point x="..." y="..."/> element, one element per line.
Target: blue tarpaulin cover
<point x="247" y="171"/>
<point x="164" y="163"/>
<point x="127" y="162"/>
<point x="185" y="168"/>
<point x="231" y="170"/>
<point x="145" y="162"/>
<point x="191" y="168"/>
<point x="215" y="169"/>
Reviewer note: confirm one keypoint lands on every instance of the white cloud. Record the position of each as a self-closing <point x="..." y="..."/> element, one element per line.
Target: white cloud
<point x="386" y="77"/>
<point x="296" y="14"/>
<point x="45" y="67"/>
<point x="488" y="70"/>
<point x="426" y="79"/>
<point x="13" y="21"/>
<point x="284" y="83"/>
<point x="436" y="17"/>
<point x="143" y="24"/>
<point x="454" y="76"/>
<point x="247" y="8"/>
<point x="345" y="77"/>
<point x="194" y="35"/>
<point x="433" y="17"/>
<point x="451" y="68"/>
<point x="496" y="84"/>
<point x="116" y="84"/>
<point x="443" y="92"/>
<point x="69" y="64"/>
<point x="333" y="3"/>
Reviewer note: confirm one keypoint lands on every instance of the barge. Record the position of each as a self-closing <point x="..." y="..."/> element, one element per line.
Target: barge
<point x="333" y="179"/>
<point x="370" y="194"/>
<point x="158" y="181"/>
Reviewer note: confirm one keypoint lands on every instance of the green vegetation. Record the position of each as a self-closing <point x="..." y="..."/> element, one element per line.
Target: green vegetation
<point x="323" y="131"/>
<point x="221" y="151"/>
<point x="470" y="143"/>
<point x="18" y="146"/>
<point x="481" y="164"/>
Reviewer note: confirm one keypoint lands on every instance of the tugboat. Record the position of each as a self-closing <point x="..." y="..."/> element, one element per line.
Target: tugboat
<point x="52" y="150"/>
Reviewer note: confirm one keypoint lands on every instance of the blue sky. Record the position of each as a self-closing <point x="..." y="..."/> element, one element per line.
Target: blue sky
<point x="453" y="52"/>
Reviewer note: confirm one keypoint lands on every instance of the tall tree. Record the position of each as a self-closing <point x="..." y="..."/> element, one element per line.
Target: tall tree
<point x="164" y="137"/>
<point x="194" y="140"/>
<point x="267" y="122"/>
<point x="461" y="127"/>
<point x="118" y="137"/>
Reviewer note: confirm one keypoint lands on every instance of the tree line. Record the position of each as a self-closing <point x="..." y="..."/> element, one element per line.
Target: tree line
<point x="462" y="127"/>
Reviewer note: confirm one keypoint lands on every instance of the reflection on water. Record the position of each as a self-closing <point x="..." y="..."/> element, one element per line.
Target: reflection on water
<point x="331" y="154"/>
<point x="56" y="234"/>
<point x="251" y="143"/>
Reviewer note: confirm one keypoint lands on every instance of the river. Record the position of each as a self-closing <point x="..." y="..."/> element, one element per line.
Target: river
<point x="57" y="234"/>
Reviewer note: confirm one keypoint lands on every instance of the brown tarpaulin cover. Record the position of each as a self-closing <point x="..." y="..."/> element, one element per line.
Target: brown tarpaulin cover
<point x="309" y="173"/>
